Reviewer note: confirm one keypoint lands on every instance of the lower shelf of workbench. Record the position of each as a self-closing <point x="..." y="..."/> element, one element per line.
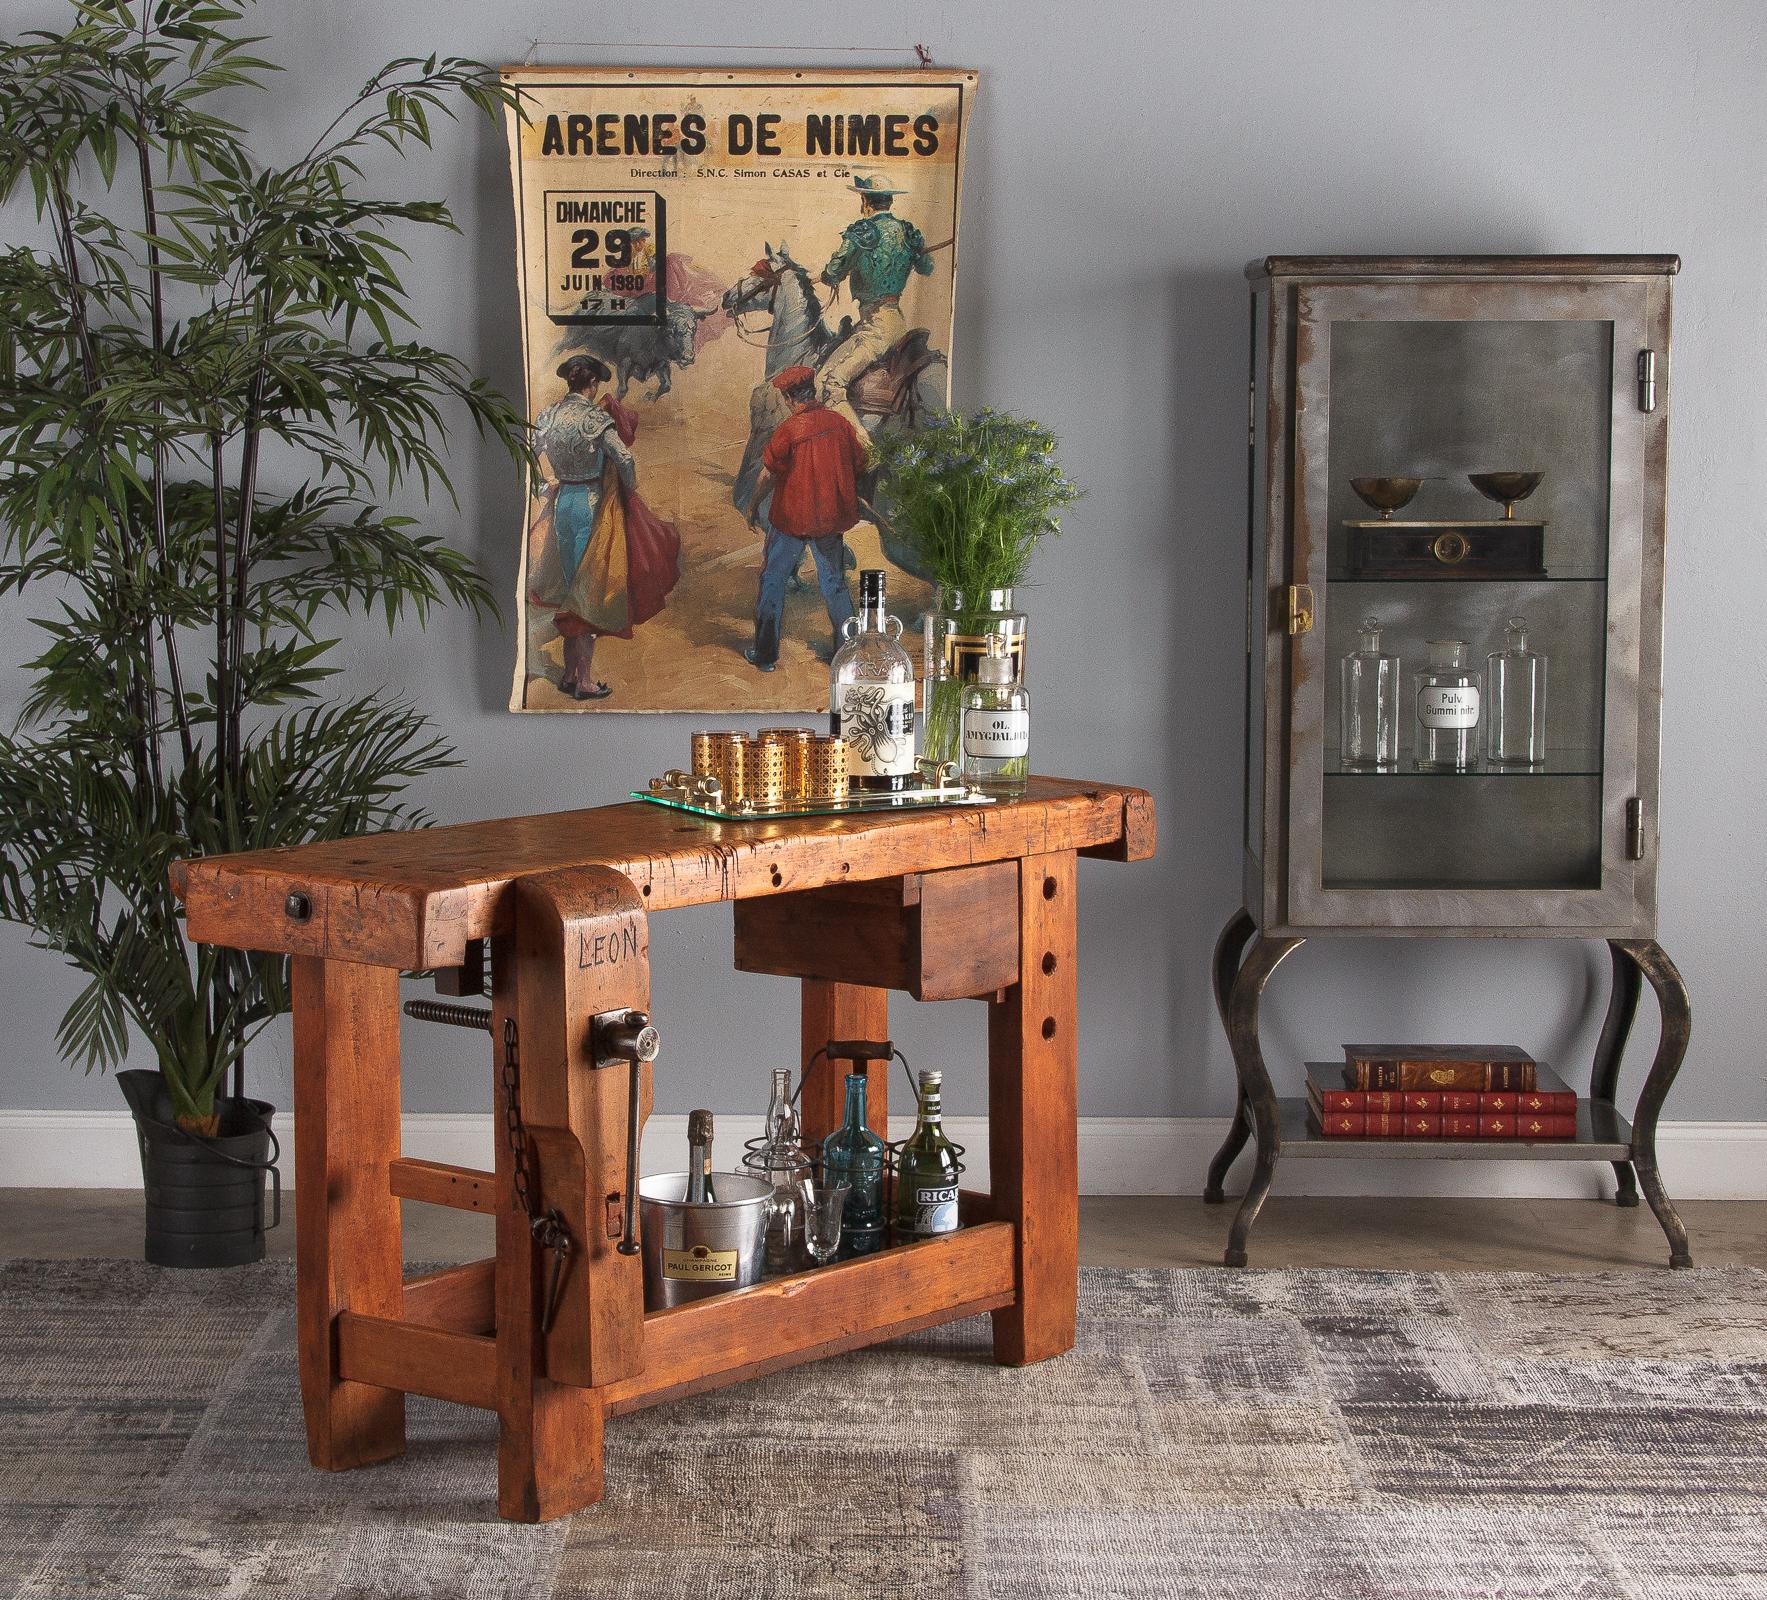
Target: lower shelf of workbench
<point x="783" y="1321"/>
<point x="444" y="1345"/>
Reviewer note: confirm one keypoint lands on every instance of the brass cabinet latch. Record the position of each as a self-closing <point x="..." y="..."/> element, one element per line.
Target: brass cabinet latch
<point x="1299" y="608"/>
<point x="1635" y="829"/>
<point x="1647" y="380"/>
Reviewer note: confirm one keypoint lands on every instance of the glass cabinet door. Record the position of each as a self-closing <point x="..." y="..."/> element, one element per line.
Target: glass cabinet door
<point x="1468" y="512"/>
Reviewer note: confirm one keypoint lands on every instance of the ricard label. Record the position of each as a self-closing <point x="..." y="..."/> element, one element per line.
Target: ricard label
<point x="700" y="1264"/>
<point x="935" y="1209"/>
<point x="998" y="735"/>
<point x="1455" y="707"/>
<point x="877" y="721"/>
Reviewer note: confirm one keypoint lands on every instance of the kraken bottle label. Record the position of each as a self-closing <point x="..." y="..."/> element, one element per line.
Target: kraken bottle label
<point x="877" y="721"/>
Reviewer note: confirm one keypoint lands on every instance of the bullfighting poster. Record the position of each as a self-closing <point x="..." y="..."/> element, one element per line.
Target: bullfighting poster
<point x="731" y="282"/>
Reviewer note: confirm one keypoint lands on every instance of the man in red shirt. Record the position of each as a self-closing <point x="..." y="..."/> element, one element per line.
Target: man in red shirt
<point x="810" y="491"/>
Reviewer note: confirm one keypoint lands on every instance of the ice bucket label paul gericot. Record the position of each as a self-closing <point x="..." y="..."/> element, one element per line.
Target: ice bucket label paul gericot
<point x="1456" y="707"/>
<point x="700" y="1264"/>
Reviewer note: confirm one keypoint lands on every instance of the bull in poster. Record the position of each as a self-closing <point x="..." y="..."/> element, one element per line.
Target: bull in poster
<point x="731" y="283"/>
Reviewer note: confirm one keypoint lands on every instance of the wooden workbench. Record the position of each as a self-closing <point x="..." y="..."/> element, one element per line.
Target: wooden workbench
<point x="946" y="904"/>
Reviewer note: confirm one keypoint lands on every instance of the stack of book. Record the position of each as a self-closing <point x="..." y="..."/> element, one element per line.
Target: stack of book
<point x="1439" y="1092"/>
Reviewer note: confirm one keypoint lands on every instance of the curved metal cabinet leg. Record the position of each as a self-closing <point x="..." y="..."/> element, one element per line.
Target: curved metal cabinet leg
<point x="1254" y="1082"/>
<point x="1237" y="1134"/>
<point x="1622" y="1006"/>
<point x="1229" y="948"/>
<point x="1677" y="1012"/>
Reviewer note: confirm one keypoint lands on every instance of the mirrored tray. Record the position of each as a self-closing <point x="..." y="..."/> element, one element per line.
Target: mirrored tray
<point x="702" y="797"/>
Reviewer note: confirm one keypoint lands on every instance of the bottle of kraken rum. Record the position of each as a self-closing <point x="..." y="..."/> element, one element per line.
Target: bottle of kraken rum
<point x="871" y="695"/>
<point x="926" y="1171"/>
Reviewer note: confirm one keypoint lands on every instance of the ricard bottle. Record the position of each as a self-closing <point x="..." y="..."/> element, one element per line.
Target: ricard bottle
<point x="926" y="1171"/>
<point x="871" y="694"/>
<point x="1448" y="710"/>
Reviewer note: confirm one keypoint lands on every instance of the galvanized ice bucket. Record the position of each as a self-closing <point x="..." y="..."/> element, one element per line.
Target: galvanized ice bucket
<point x="691" y="1251"/>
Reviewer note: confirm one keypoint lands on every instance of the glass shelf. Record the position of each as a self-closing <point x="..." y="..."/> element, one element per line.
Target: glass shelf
<point x="1558" y="764"/>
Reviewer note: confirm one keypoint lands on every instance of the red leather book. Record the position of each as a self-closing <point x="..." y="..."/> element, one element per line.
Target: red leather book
<point x="1461" y="1126"/>
<point x="1550" y="1097"/>
<point x="1496" y="1127"/>
<point x="1356" y="1100"/>
<point x="1340" y="1124"/>
<point x="1422" y="1124"/>
<point x="1479" y="1067"/>
<point x="1549" y="1127"/>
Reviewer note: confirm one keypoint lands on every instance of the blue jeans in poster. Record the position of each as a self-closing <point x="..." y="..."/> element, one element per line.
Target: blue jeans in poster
<point x="779" y="559"/>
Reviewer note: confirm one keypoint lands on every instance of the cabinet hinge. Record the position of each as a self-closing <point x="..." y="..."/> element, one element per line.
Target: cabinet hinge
<point x="1299" y="603"/>
<point x="1647" y="380"/>
<point x="1635" y="829"/>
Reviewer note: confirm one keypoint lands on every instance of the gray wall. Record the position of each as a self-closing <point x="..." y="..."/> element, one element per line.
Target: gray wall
<point x="1126" y="161"/>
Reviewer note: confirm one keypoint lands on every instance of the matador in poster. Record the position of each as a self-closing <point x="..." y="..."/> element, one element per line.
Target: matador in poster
<point x="731" y="283"/>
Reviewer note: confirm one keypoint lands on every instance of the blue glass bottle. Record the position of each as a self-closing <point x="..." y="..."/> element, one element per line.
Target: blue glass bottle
<point x="854" y="1155"/>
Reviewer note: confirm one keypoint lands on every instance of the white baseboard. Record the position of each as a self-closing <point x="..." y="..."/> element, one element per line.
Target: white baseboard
<point x="1118" y="1155"/>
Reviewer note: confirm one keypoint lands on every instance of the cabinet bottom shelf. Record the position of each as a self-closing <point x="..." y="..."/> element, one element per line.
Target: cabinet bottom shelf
<point x="1602" y="1135"/>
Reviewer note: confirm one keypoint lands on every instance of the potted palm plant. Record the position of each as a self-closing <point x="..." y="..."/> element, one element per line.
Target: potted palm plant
<point x="208" y="373"/>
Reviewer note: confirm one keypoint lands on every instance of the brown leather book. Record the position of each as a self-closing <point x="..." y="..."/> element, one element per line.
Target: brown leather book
<point x="1422" y="1067"/>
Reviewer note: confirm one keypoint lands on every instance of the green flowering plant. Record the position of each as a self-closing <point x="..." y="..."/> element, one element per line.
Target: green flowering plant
<point x="971" y="497"/>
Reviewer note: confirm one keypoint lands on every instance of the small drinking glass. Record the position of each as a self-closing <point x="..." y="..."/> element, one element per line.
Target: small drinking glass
<point x="823" y="1209"/>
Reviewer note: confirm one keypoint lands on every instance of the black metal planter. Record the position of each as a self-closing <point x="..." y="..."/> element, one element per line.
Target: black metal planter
<point x="205" y="1196"/>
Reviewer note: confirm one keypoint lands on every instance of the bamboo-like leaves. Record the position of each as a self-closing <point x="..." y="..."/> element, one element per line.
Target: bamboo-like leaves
<point x="192" y="303"/>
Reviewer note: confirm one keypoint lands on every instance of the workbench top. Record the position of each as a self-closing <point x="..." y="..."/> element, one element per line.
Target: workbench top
<point x="413" y="899"/>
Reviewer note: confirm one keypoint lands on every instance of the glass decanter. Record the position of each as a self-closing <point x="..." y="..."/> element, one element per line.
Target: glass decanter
<point x="1515" y="724"/>
<point x="854" y="1156"/>
<point x="871" y="694"/>
<point x="1448" y="710"/>
<point x="1368" y="703"/>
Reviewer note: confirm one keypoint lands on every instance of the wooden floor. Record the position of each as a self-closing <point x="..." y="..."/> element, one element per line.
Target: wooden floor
<point x="1115" y="1231"/>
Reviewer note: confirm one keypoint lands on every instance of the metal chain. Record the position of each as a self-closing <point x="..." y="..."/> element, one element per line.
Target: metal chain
<point x="548" y="1227"/>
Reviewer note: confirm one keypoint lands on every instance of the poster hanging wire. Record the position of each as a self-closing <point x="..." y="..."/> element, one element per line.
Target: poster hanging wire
<point x="920" y="52"/>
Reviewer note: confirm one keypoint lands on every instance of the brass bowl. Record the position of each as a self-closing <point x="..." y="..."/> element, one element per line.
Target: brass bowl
<point x="1386" y="495"/>
<point x="1506" y="488"/>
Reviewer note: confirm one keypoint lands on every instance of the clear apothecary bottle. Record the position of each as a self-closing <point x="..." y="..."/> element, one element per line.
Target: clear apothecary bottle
<point x="1368" y="703"/>
<point x="1448" y="706"/>
<point x="996" y="725"/>
<point x="1515" y="723"/>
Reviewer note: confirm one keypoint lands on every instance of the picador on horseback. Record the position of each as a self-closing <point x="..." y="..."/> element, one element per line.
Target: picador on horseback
<point x="874" y="258"/>
<point x="874" y="374"/>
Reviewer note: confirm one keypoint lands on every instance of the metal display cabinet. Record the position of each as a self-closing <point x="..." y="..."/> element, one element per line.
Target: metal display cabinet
<point x="1414" y="374"/>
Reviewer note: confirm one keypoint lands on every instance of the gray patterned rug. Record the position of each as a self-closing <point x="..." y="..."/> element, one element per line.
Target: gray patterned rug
<point x="1217" y="1435"/>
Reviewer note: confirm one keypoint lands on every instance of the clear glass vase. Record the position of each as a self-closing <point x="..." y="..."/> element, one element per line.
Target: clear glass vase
<point x="955" y="639"/>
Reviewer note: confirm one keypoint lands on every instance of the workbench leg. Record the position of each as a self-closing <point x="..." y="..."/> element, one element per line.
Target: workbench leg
<point x="347" y="1255"/>
<point x="1033" y="1106"/>
<point x="841" y="1011"/>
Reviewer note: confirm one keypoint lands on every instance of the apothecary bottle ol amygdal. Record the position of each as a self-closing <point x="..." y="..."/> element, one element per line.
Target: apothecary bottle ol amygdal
<point x="871" y="694"/>
<point x="1448" y="710"/>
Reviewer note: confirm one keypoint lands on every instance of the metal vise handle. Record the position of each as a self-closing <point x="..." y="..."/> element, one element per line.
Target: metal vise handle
<point x="629" y="1037"/>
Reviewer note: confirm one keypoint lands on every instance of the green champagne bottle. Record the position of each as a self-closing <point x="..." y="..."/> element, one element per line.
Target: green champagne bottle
<point x="926" y="1171"/>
